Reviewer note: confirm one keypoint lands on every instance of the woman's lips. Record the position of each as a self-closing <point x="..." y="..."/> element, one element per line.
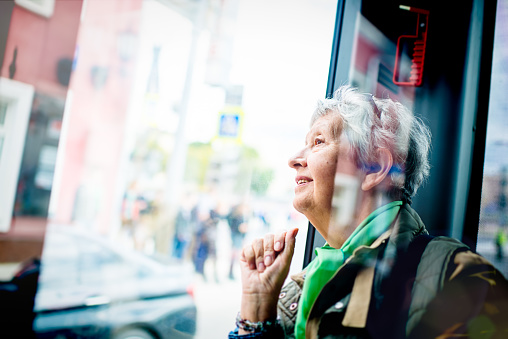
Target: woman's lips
<point x="300" y="181"/>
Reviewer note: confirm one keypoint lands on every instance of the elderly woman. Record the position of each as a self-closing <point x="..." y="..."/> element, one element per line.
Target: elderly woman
<point x="379" y="275"/>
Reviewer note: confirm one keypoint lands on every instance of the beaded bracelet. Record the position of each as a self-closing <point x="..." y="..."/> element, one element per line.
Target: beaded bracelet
<point x="249" y="326"/>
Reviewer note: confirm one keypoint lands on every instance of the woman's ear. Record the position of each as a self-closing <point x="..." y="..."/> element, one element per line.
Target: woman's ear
<point x="379" y="171"/>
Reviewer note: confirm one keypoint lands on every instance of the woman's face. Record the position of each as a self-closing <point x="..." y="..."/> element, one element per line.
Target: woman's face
<point x="316" y="165"/>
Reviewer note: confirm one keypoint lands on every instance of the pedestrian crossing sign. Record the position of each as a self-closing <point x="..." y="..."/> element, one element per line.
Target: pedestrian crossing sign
<point x="230" y="124"/>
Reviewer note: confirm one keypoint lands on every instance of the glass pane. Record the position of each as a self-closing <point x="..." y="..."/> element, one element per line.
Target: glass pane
<point x="493" y="230"/>
<point x="3" y="112"/>
<point x="172" y="153"/>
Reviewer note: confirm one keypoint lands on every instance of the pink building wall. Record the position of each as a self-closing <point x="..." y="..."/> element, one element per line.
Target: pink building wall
<point x="98" y="112"/>
<point x="41" y="42"/>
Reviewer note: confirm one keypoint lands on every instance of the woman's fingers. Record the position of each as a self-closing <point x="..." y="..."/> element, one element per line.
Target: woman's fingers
<point x="290" y="241"/>
<point x="263" y="252"/>
<point x="258" y="247"/>
<point x="249" y="256"/>
<point x="269" y="253"/>
<point x="279" y="241"/>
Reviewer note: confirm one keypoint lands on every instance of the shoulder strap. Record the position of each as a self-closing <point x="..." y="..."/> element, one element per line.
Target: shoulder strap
<point x="396" y="290"/>
<point x="410" y="262"/>
<point x="416" y="249"/>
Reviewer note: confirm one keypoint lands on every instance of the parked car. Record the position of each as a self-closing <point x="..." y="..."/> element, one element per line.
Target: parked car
<point x="88" y="288"/>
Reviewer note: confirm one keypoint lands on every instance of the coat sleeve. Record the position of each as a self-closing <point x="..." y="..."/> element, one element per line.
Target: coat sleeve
<point x="473" y="302"/>
<point x="287" y="308"/>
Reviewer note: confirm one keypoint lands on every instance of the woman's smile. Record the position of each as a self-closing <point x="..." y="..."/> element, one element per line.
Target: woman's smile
<point x="302" y="181"/>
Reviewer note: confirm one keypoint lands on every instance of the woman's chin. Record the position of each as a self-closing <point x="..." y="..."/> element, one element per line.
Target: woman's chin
<point x="306" y="211"/>
<point x="300" y="206"/>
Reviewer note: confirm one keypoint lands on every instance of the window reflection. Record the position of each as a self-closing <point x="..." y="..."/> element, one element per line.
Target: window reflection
<point x="156" y="145"/>
<point x="3" y="112"/>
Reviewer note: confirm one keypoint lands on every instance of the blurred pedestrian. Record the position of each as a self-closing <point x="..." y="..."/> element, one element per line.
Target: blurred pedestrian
<point x="205" y="243"/>
<point x="500" y="241"/>
<point x="238" y="227"/>
<point x="185" y="225"/>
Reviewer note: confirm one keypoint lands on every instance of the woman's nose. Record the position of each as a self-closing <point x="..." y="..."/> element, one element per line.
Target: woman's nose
<point x="299" y="159"/>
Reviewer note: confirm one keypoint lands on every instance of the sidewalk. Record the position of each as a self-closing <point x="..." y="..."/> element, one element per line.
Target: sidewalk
<point x="218" y="304"/>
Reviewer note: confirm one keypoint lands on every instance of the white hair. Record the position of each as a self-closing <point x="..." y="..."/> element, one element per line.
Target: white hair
<point x="396" y="129"/>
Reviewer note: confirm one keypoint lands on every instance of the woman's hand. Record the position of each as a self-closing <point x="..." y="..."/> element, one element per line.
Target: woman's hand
<point x="265" y="266"/>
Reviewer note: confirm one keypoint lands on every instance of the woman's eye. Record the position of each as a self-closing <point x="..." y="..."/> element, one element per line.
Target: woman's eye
<point x="318" y="141"/>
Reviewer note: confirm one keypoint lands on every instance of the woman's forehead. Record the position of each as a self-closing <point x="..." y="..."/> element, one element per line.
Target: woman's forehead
<point x="329" y="123"/>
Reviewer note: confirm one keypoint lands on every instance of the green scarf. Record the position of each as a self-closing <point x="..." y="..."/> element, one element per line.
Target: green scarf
<point x="328" y="259"/>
